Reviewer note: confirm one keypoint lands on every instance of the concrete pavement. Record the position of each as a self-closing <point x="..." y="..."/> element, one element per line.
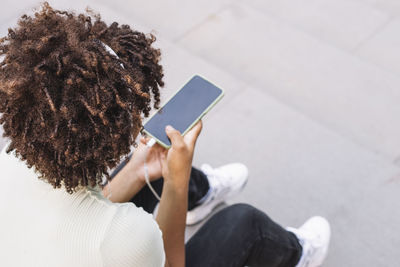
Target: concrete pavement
<point x="312" y="105"/>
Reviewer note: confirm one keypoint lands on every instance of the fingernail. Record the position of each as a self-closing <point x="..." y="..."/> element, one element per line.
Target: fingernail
<point x="169" y="128"/>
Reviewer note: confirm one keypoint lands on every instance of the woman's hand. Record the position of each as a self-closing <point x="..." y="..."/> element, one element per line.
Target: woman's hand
<point x="130" y="179"/>
<point x="153" y="160"/>
<point x="177" y="161"/>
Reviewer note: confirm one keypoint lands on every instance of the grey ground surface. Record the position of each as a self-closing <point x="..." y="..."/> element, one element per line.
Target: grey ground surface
<point x="312" y="104"/>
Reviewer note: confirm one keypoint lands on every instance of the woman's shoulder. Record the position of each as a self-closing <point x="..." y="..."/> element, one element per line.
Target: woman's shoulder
<point x="133" y="238"/>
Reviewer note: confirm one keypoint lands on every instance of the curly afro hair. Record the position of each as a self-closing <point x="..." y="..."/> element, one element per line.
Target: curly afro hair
<point x="72" y="109"/>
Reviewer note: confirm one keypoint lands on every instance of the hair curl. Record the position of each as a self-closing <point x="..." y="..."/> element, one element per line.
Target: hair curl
<point x="69" y="107"/>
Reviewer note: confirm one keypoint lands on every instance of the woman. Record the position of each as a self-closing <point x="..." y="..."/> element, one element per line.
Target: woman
<point x="72" y="109"/>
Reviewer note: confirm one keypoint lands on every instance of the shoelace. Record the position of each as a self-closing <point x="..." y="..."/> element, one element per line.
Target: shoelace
<point x="309" y="254"/>
<point x="308" y="249"/>
<point x="215" y="175"/>
<point x="219" y="181"/>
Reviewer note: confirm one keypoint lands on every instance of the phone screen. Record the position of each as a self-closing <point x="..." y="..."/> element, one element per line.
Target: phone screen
<point x="182" y="110"/>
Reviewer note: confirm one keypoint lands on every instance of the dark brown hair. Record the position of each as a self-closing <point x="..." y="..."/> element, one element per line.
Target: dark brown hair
<point x="71" y="108"/>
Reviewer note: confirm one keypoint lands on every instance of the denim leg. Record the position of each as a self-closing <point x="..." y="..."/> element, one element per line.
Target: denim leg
<point x="198" y="187"/>
<point x="242" y="235"/>
<point x="145" y="198"/>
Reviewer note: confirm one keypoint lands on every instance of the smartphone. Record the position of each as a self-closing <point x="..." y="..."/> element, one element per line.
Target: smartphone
<point x="184" y="109"/>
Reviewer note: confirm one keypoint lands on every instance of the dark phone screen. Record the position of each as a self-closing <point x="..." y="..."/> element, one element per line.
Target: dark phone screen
<point x="184" y="108"/>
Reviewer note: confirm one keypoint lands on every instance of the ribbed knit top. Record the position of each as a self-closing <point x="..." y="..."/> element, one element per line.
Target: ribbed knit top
<point x="43" y="226"/>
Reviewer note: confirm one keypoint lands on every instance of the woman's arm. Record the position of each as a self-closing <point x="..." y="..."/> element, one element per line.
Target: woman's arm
<point x="175" y="165"/>
<point x="124" y="185"/>
<point x="171" y="217"/>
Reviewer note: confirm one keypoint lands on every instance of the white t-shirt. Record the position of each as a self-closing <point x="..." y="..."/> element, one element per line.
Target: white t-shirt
<point x="43" y="226"/>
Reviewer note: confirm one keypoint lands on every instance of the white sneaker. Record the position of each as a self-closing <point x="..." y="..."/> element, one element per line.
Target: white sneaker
<point x="314" y="236"/>
<point x="225" y="182"/>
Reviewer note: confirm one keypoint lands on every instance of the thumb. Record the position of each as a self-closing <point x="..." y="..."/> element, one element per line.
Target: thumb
<point x="174" y="135"/>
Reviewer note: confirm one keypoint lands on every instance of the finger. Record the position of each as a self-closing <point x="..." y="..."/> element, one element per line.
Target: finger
<point x="175" y="136"/>
<point x="155" y="150"/>
<point x="163" y="157"/>
<point x="159" y="148"/>
<point x="191" y="136"/>
<point x="144" y="140"/>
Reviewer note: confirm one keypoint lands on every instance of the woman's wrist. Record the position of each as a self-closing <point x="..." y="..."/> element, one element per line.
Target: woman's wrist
<point x="177" y="186"/>
<point x="178" y="182"/>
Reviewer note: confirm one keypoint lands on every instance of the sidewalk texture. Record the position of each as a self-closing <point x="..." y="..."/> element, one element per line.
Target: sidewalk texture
<point x="312" y="104"/>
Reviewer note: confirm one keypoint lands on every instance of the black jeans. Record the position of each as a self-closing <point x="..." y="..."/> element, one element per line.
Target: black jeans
<point x="236" y="236"/>
<point x="241" y="235"/>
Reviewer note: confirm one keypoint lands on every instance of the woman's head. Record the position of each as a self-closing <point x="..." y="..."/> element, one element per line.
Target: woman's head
<point x="71" y="108"/>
